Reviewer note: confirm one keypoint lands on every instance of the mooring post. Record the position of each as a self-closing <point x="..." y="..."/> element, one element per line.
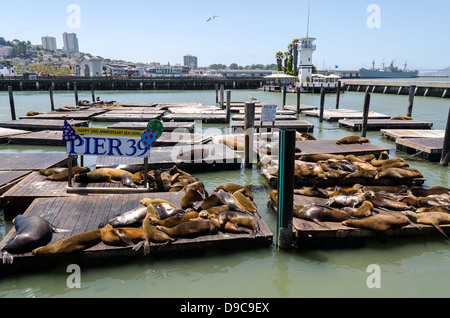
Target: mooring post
<point x="298" y="99"/>
<point x="286" y="181"/>
<point x="11" y="103"/>
<point x="228" y="110"/>
<point x="92" y="92"/>
<point x="284" y="96"/>
<point x="445" y="157"/>
<point x="338" y="94"/>
<point x="322" y="104"/>
<point x="76" y="93"/>
<point x="365" y="114"/>
<point x="249" y="124"/>
<point x="217" y="92"/>
<point x="412" y="90"/>
<point x="52" y="104"/>
<point x="221" y="95"/>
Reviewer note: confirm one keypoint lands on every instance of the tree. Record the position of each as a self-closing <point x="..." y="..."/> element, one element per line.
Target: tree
<point x="279" y="57"/>
<point x="233" y="66"/>
<point x="295" y="57"/>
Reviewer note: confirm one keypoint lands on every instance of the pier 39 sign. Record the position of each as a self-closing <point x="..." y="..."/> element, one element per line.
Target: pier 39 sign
<point x="108" y="142"/>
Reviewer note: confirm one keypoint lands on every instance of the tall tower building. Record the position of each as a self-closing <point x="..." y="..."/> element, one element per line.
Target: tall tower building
<point x="49" y="43"/>
<point x="190" y="61"/>
<point x="70" y="42"/>
<point x="306" y="48"/>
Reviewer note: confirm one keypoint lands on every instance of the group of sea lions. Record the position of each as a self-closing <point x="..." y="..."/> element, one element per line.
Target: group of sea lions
<point x="330" y="166"/>
<point x="376" y="207"/>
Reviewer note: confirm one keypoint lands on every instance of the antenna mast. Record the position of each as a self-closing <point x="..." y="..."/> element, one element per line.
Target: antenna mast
<point x="307" y="27"/>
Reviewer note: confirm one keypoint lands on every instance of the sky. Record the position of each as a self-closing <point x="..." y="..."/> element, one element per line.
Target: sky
<point x="349" y="33"/>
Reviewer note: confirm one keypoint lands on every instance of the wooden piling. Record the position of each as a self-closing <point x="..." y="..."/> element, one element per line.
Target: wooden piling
<point x="284" y="96"/>
<point x="286" y="189"/>
<point x="52" y="104"/>
<point x="412" y="90"/>
<point x="216" y="86"/>
<point x="11" y="103"/>
<point x="365" y="114"/>
<point x="228" y="110"/>
<point x="221" y="95"/>
<point x="76" y="93"/>
<point x="92" y="92"/>
<point x="298" y="99"/>
<point x="445" y="157"/>
<point x="322" y="103"/>
<point x="338" y="94"/>
<point x="249" y="124"/>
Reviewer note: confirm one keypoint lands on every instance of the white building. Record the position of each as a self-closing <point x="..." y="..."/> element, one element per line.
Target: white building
<point x="70" y="42"/>
<point x="91" y="66"/>
<point x="190" y="61"/>
<point x="5" y="51"/>
<point x="306" y="49"/>
<point x="49" y="43"/>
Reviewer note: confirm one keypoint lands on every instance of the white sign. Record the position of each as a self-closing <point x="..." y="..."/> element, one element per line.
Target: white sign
<point x="102" y="145"/>
<point x="269" y="113"/>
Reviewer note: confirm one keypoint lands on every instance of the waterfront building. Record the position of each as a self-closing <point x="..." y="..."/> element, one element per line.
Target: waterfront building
<point x="306" y="49"/>
<point x="113" y="69"/>
<point x="91" y="66"/>
<point x="241" y="73"/>
<point x="70" y="42"/>
<point x="190" y="61"/>
<point x="49" y="43"/>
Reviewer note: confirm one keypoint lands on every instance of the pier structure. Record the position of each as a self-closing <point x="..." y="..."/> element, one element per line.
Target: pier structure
<point x="422" y="88"/>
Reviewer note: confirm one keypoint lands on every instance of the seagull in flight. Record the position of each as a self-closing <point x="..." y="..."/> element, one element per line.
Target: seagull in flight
<point x="213" y="17"/>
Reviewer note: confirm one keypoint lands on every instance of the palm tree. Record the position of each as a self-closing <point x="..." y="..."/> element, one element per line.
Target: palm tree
<point x="279" y="57"/>
<point x="295" y="49"/>
<point x="286" y="58"/>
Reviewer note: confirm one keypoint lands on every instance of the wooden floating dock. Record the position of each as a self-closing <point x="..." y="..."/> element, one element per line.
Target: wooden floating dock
<point x="258" y="117"/>
<point x="122" y="117"/>
<point x="302" y="107"/>
<point x="41" y="124"/>
<point x="32" y="161"/>
<point x="298" y="125"/>
<point x="204" y="118"/>
<point x="43" y="138"/>
<point x="167" y="126"/>
<point x="313" y="147"/>
<point x="377" y="124"/>
<point x="6" y="133"/>
<point x="140" y="105"/>
<point x="337" y="114"/>
<point x="412" y="133"/>
<point x="426" y="148"/>
<point x="76" y="115"/>
<point x="84" y="213"/>
<point x="9" y="178"/>
<point x="309" y="235"/>
<point x="279" y="112"/>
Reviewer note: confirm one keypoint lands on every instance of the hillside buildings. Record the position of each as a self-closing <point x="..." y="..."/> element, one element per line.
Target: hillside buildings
<point x="49" y="43"/>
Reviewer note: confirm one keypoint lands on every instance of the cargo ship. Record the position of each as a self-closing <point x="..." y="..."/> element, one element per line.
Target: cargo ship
<point x="387" y="72"/>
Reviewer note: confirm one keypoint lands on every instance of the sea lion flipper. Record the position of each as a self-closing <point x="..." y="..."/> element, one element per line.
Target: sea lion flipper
<point x="138" y="246"/>
<point x="123" y="236"/>
<point x="437" y="226"/>
<point x="321" y="223"/>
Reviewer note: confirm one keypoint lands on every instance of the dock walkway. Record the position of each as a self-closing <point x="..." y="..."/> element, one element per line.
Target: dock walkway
<point x="337" y="114"/>
<point x="298" y="125"/>
<point x="426" y="148"/>
<point x="377" y="124"/>
<point x="412" y="133"/>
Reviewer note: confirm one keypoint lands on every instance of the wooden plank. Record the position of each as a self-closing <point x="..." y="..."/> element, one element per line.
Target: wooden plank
<point x="429" y="145"/>
<point x="204" y="118"/>
<point x="75" y="115"/>
<point x="302" y="107"/>
<point x="32" y="161"/>
<point x="45" y="138"/>
<point x="121" y="117"/>
<point x="377" y="124"/>
<point x="41" y="124"/>
<point x="311" y="147"/>
<point x="167" y="126"/>
<point x="336" y="114"/>
<point x="412" y="133"/>
<point x="9" y="178"/>
<point x="298" y="125"/>
<point x="258" y="117"/>
<point x="5" y="133"/>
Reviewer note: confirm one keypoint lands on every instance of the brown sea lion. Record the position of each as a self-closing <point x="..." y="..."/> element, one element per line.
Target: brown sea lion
<point x="229" y="200"/>
<point x="350" y="200"/>
<point x="32" y="113"/>
<point x="175" y="220"/>
<point x="381" y="162"/>
<point x="366" y="158"/>
<point x="401" y="118"/>
<point x="190" y="229"/>
<point x="121" y="236"/>
<point x="148" y="201"/>
<point x="319" y="213"/>
<point x="231" y="187"/>
<point x="364" y="210"/>
<point x="244" y="202"/>
<point x="320" y="157"/>
<point x="353" y="158"/>
<point x="381" y="200"/>
<point x="191" y="197"/>
<point x="216" y="209"/>
<point x="400" y="164"/>
<point x="366" y="174"/>
<point x="426" y="192"/>
<point x="132" y="218"/>
<point x="208" y="202"/>
<point x="333" y="174"/>
<point x="63" y="176"/>
<point x="239" y="218"/>
<point x="363" y="165"/>
<point x="102" y="175"/>
<point x="399" y="173"/>
<point x="352" y="140"/>
<point x="379" y="222"/>
<point x="430" y="218"/>
<point x="152" y="234"/>
<point x="50" y="171"/>
<point x="75" y="243"/>
<point x="392" y="189"/>
<point x="303" y="136"/>
<point x="273" y="196"/>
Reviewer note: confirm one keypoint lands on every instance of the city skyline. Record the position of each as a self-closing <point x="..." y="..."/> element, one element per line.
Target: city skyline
<point x="244" y="32"/>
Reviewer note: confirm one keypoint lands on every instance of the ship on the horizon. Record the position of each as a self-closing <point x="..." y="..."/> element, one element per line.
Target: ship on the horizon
<point x="387" y="72"/>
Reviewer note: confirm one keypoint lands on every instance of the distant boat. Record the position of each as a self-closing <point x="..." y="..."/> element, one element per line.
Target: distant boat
<point x="387" y="72"/>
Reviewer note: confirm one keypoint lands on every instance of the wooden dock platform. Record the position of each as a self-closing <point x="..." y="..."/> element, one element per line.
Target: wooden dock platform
<point x="32" y="161"/>
<point x="84" y="213"/>
<point x="298" y="125"/>
<point x="302" y="107"/>
<point x="394" y="134"/>
<point x="9" y="178"/>
<point x="426" y="148"/>
<point x="204" y="118"/>
<point x="6" y="133"/>
<point x="76" y="115"/>
<point x="312" y="147"/>
<point x="123" y="117"/>
<point x="377" y="124"/>
<point x="41" y="124"/>
<point x="167" y="126"/>
<point x="258" y="117"/>
<point x="310" y="235"/>
<point x="43" y="138"/>
<point x="337" y="114"/>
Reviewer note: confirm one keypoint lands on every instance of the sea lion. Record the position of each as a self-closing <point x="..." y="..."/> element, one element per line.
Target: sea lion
<point x="175" y="220"/>
<point x="229" y="200"/>
<point x="121" y="236"/>
<point x="400" y="164"/>
<point x="148" y="201"/>
<point x="132" y="218"/>
<point x="342" y="165"/>
<point x="381" y="200"/>
<point x="332" y="174"/>
<point x="231" y="187"/>
<point x="363" y="165"/>
<point x="31" y="232"/>
<point x="190" y="229"/>
<point x="353" y="158"/>
<point x="352" y="140"/>
<point x="207" y="203"/>
<point x="239" y="218"/>
<point x="303" y="136"/>
<point x="75" y="243"/>
<point x="309" y="192"/>
<point x="127" y="181"/>
<point x="102" y="175"/>
<point x="152" y="234"/>
<point x="319" y="213"/>
<point x="379" y="222"/>
<point x="320" y="157"/>
<point x="364" y="210"/>
<point x="380" y="162"/>
<point x="399" y="173"/>
<point x="392" y="189"/>
<point x="50" y="171"/>
<point x="191" y="197"/>
<point x="133" y="168"/>
<point x="426" y="192"/>
<point x="216" y="209"/>
<point x="350" y="200"/>
<point x="401" y="118"/>
<point x="63" y="176"/>
<point x="244" y="202"/>
<point x="430" y="218"/>
<point x="366" y="174"/>
<point x="32" y="113"/>
<point x="366" y="158"/>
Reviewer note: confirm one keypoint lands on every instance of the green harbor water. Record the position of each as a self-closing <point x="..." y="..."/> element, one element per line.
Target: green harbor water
<point x="410" y="267"/>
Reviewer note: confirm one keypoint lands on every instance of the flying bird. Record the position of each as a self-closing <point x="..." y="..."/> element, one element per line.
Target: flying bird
<point x="213" y="17"/>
